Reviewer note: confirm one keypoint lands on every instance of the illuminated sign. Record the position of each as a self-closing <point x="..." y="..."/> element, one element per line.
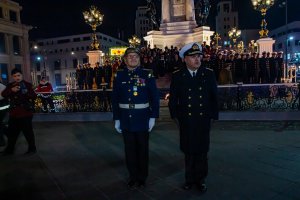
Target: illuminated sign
<point x="117" y="51"/>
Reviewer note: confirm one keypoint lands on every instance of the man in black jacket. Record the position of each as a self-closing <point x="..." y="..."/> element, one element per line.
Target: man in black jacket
<point x="193" y="104"/>
<point x="21" y="98"/>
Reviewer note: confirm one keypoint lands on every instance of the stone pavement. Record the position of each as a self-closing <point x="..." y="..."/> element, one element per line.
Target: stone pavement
<point x="85" y="161"/>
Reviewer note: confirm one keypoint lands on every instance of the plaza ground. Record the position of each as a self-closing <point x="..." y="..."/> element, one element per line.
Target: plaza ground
<point x="84" y="160"/>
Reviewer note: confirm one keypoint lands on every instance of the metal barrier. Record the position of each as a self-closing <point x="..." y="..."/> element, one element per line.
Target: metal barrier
<point x="79" y="101"/>
<point x="259" y="97"/>
<point x="240" y="97"/>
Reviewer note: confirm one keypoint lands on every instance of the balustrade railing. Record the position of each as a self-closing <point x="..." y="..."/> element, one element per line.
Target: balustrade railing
<point x="247" y="97"/>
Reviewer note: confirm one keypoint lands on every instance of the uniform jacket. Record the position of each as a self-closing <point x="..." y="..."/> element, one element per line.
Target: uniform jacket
<point x="21" y="102"/>
<point x="135" y="87"/>
<point x="193" y="101"/>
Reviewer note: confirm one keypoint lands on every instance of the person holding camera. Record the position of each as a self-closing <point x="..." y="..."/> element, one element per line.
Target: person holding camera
<point x="21" y="97"/>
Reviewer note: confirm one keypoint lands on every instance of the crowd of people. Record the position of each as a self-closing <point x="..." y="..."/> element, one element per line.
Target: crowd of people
<point x="229" y="66"/>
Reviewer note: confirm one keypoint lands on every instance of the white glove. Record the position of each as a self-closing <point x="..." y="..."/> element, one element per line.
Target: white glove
<point x="117" y="126"/>
<point x="151" y="124"/>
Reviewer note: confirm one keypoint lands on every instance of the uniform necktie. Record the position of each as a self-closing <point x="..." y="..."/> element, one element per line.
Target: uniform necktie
<point x="194" y="74"/>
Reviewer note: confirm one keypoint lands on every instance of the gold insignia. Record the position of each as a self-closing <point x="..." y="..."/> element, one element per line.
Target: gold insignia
<point x="195" y="47"/>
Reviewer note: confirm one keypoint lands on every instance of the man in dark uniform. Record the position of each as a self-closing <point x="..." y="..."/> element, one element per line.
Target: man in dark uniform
<point x="80" y="77"/>
<point x="252" y="68"/>
<point x="107" y="73"/>
<point x="273" y="64"/>
<point x="279" y="61"/>
<point x="135" y="101"/>
<point x="264" y="70"/>
<point x="98" y="72"/>
<point x="193" y="104"/>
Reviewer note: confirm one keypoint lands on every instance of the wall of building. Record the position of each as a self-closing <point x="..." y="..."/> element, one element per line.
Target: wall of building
<point x="288" y="43"/>
<point x="226" y="19"/>
<point x="142" y="23"/>
<point x="14" y="45"/>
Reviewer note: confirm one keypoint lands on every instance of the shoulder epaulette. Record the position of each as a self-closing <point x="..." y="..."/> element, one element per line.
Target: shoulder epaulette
<point x="176" y="71"/>
<point x="118" y="71"/>
<point x="149" y="72"/>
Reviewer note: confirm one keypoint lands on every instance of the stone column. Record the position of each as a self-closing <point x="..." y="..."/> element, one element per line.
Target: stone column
<point x="165" y="11"/>
<point x="190" y="10"/>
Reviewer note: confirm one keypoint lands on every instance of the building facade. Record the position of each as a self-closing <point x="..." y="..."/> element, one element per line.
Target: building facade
<point x="226" y="19"/>
<point x="57" y="58"/>
<point x="142" y="22"/>
<point x="14" y="45"/>
<point x="287" y="40"/>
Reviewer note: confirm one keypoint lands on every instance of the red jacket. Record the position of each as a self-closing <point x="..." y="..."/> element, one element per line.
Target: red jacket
<point x="21" y="102"/>
<point x="45" y="89"/>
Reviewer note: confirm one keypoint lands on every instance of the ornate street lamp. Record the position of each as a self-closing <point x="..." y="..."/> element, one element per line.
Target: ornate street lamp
<point x="216" y="38"/>
<point x="134" y="41"/>
<point x="94" y="18"/>
<point x="234" y="34"/>
<point x="263" y="6"/>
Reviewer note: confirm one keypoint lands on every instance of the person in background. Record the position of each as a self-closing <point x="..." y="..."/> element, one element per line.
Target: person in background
<point x="21" y="97"/>
<point x="4" y="105"/>
<point x="107" y="73"/>
<point x="193" y="104"/>
<point x="45" y="89"/>
<point x="135" y="102"/>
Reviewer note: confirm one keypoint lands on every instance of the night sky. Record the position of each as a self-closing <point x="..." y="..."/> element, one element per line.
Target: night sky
<point x="53" y="18"/>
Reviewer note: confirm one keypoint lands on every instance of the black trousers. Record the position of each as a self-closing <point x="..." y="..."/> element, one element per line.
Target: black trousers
<point x="15" y="126"/>
<point x="137" y="154"/>
<point x="196" y="168"/>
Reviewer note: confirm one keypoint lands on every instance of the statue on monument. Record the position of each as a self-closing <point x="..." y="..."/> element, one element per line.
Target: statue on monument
<point x="202" y="9"/>
<point x="151" y="13"/>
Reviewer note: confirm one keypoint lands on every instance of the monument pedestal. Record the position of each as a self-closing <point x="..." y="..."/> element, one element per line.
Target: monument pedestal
<point x="265" y="44"/>
<point x="178" y="34"/>
<point x="94" y="57"/>
<point x="178" y="26"/>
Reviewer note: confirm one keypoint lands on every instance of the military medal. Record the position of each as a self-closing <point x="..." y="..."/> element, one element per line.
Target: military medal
<point x="135" y="91"/>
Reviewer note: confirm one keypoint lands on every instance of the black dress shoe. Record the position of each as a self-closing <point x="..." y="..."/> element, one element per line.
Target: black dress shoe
<point x="30" y="152"/>
<point x="202" y="187"/>
<point x="131" y="184"/>
<point x="141" y="184"/>
<point x="187" y="186"/>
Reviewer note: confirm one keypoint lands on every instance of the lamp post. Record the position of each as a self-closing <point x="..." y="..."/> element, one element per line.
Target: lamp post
<point x="285" y="4"/>
<point x="94" y="18"/>
<point x="134" y="41"/>
<point x="263" y="6"/>
<point x="216" y="38"/>
<point x="234" y="34"/>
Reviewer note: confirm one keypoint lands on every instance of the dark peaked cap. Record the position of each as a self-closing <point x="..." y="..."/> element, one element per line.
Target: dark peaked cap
<point x="190" y="49"/>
